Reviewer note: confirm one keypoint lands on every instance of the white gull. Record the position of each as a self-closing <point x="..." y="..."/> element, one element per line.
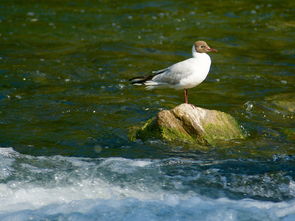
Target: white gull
<point x="182" y="75"/>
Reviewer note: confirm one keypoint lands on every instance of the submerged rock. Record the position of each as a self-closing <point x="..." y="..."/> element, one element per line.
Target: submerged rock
<point x="187" y="123"/>
<point x="290" y="133"/>
<point x="284" y="102"/>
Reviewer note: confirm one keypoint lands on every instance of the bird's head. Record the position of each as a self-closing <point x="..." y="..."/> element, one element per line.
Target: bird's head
<point x="203" y="47"/>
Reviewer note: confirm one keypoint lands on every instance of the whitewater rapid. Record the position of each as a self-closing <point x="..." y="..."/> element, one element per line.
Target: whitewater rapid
<point x="72" y="188"/>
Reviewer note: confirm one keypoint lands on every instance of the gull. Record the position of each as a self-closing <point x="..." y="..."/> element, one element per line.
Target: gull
<point x="182" y="75"/>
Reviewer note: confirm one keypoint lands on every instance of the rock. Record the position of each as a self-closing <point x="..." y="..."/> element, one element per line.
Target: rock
<point x="290" y="133"/>
<point x="284" y="102"/>
<point x="190" y="124"/>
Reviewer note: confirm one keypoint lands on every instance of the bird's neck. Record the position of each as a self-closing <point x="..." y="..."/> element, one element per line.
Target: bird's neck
<point x="197" y="54"/>
<point x="204" y="58"/>
<point x="201" y="56"/>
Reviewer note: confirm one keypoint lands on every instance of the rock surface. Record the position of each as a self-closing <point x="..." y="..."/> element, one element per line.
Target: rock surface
<point x="187" y="123"/>
<point x="283" y="101"/>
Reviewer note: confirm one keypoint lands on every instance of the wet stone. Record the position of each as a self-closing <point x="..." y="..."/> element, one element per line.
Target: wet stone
<point x="285" y="102"/>
<point x="191" y="124"/>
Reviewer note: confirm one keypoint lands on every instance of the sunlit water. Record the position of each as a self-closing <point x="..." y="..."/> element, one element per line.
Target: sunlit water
<point x="67" y="108"/>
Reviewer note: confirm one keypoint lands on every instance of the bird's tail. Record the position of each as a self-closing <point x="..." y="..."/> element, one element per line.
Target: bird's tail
<point x="145" y="79"/>
<point x="140" y="80"/>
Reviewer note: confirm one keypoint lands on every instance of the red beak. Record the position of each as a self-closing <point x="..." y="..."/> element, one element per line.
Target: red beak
<point x="212" y="50"/>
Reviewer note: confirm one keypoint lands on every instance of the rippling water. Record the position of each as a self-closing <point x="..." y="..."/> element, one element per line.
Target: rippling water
<point x="74" y="188"/>
<point x="67" y="107"/>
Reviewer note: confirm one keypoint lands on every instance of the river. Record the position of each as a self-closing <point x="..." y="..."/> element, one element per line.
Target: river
<point x="67" y="108"/>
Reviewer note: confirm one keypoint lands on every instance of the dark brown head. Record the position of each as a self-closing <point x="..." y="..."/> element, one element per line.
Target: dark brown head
<point x="203" y="47"/>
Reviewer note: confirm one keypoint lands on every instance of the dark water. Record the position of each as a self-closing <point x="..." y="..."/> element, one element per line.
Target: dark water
<point x="67" y="107"/>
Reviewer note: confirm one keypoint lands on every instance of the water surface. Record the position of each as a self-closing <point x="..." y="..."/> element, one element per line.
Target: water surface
<point x="67" y="107"/>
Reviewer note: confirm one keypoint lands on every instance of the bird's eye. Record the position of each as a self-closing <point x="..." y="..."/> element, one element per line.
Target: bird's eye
<point x="202" y="46"/>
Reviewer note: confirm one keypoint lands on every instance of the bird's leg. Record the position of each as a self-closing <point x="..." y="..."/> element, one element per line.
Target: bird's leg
<point x="185" y="96"/>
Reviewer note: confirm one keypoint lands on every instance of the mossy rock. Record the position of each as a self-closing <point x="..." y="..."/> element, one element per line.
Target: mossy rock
<point x="290" y="133"/>
<point x="190" y="124"/>
<point x="284" y="102"/>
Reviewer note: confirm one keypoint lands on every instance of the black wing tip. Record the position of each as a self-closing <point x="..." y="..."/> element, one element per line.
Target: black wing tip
<point x="140" y="80"/>
<point x="133" y="79"/>
<point x="159" y="71"/>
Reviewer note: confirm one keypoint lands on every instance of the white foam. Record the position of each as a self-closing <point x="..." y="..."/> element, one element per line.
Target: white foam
<point x="122" y="165"/>
<point x="169" y="208"/>
<point x="79" y="190"/>
<point x="29" y="196"/>
<point x="7" y="152"/>
<point x="292" y="188"/>
<point x="21" y="195"/>
<point x="6" y="160"/>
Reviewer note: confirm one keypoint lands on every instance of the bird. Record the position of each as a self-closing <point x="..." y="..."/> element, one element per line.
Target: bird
<point x="182" y="75"/>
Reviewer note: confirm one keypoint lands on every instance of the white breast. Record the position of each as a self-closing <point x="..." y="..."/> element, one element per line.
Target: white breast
<point x="198" y="67"/>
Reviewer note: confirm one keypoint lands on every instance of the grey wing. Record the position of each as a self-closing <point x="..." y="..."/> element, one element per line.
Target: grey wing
<point x="173" y="74"/>
<point x="159" y="71"/>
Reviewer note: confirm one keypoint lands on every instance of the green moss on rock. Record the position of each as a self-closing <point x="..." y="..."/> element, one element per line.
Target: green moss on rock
<point x="290" y="133"/>
<point x="283" y="101"/>
<point x="189" y="124"/>
<point x="225" y="127"/>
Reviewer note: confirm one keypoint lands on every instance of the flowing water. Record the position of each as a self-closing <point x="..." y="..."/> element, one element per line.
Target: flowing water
<point x="67" y="108"/>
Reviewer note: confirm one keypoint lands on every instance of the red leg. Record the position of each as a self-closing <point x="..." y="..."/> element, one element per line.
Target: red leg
<point x="185" y="96"/>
